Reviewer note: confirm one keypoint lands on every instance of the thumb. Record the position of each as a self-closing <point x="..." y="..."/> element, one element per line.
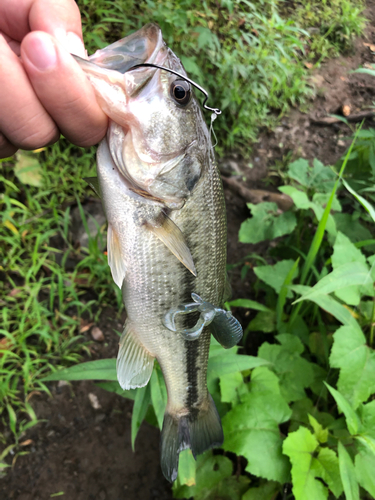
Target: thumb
<point x="62" y="87"/>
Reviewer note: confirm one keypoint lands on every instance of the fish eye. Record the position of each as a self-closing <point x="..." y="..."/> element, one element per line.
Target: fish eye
<point x="180" y="92"/>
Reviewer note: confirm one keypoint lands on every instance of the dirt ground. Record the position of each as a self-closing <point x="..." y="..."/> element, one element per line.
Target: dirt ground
<point x="85" y="453"/>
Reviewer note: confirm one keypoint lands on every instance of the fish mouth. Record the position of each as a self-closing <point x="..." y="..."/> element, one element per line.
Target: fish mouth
<point x="140" y="47"/>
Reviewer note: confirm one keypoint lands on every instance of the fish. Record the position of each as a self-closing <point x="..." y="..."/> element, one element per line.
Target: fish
<point x="167" y="232"/>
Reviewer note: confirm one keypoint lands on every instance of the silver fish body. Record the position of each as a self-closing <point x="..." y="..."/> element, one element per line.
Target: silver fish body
<point x="163" y="199"/>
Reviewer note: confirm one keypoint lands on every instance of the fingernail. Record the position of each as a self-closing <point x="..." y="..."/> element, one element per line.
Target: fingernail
<point x="41" y="52"/>
<point x="71" y="42"/>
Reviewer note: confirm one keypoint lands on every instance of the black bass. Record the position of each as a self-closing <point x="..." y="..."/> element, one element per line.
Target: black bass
<point x="163" y="199"/>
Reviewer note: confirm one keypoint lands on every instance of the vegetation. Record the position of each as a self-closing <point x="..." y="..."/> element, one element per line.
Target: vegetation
<point x="250" y="56"/>
<point x="280" y="409"/>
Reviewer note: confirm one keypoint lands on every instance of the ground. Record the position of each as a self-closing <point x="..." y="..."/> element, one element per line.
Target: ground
<point x="82" y="449"/>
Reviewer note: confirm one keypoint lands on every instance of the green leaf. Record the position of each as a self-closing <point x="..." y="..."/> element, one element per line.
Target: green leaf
<point x="366" y="205"/>
<point x="214" y="480"/>
<point x="283" y="294"/>
<point x="320" y="433"/>
<point x="141" y="402"/>
<point x="352" y="419"/>
<point x="295" y="373"/>
<point x="28" y="169"/>
<point x="326" y="466"/>
<point x="300" y="447"/>
<point x="251" y="429"/>
<point x="229" y="362"/>
<point x="102" y="369"/>
<point x="230" y="386"/>
<point x="158" y="395"/>
<point x="266" y="223"/>
<point x="249" y="304"/>
<point x="356" y="362"/>
<point x="263" y="322"/>
<point x="344" y="251"/>
<point x="348" y="476"/>
<point x="186" y="468"/>
<point x="116" y="388"/>
<point x="265" y="492"/>
<point x="276" y="275"/>
<point x="330" y="305"/>
<point x="264" y="380"/>
<point x="318" y="237"/>
<point x="364" y="468"/>
<point x="352" y="273"/>
<point x="319" y="177"/>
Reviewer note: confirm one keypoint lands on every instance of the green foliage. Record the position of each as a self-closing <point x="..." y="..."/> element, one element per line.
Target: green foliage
<point x="248" y="55"/>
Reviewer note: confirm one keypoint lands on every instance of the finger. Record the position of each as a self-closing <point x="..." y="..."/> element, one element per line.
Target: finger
<point x="6" y="148"/>
<point x="19" y="17"/>
<point x="23" y="120"/>
<point x="63" y="89"/>
<point x="13" y="44"/>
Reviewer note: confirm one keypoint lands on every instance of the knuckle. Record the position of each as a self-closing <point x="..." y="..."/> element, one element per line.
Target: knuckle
<point x="35" y="133"/>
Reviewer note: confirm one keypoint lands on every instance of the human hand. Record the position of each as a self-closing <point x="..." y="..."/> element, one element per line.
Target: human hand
<point x="44" y="92"/>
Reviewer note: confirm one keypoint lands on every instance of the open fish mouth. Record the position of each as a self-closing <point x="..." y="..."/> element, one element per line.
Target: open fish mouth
<point x="140" y="47"/>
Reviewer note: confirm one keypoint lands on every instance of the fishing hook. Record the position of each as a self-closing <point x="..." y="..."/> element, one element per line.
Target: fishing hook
<point x="217" y="111"/>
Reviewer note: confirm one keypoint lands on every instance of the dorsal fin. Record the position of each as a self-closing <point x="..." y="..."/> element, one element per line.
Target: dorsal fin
<point x="171" y="235"/>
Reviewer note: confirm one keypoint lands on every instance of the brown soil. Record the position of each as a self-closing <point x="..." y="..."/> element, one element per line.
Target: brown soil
<point x="85" y="452"/>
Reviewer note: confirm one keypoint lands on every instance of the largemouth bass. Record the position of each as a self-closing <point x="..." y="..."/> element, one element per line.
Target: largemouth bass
<point x="163" y="199"/>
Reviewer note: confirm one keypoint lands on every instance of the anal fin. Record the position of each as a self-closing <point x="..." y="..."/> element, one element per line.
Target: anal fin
<point x="134" y="363"/>
<point x="171" y="235"/>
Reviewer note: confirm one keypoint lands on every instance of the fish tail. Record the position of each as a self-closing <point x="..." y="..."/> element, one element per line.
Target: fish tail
<point x="199" y="430"/>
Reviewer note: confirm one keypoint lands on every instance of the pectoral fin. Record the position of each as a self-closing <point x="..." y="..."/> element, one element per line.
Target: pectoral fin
<point x="134" y="363"/>
<point x="115" y="259"/>
<point x="171" y="235"/>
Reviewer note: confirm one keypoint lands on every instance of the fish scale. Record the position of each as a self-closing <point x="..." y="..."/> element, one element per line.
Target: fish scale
<point x="163" y="199"/>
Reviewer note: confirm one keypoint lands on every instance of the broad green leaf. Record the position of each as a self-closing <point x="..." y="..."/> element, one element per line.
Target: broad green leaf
<point x="352" y="273"/>
<point x="295" y="373"/>
<point x="28" y="169"/>
<point x="263" y="322"/>
<point x="326" y="466"/>
<point x="300" y="446"/>
<point x="249" y="304"/>
<point x="158" y="395"/>
<point x="186" y="468"/>
<point x="366" y="205"/>
<point x="348" y="475"/>
<point x="267" y="491"/>
<point x="364" y="468"/>
<point x="266" y="223"/>
<point x="230" y="386"/>
<point x="251" y="429"/>
<point x="275" y="275"/>
<point x="116" y="388"/>
<point x="352" y="227"/>
<point x="344" y="251"/>
<point x="102" y="369"/>
<point x="356" y="362"/>
<point x="141" y="402"/>
<point x="352" y="419"/>
<point x="320" y="433"/>
<point x="264" y="380"/>
<point x="330" y="305"/>
<point x="213" y="480"/>
<point x="229" y="362"/>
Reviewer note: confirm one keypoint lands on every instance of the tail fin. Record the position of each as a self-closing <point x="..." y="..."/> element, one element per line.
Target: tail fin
<point x="198" y="431"/>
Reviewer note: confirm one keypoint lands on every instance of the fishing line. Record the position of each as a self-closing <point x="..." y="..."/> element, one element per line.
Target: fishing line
<point x="216" y="111"/>
<point x="149" y="65"/>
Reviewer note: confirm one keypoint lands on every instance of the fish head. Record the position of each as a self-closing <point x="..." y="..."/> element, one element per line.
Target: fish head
<point x="157" y="136"/>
